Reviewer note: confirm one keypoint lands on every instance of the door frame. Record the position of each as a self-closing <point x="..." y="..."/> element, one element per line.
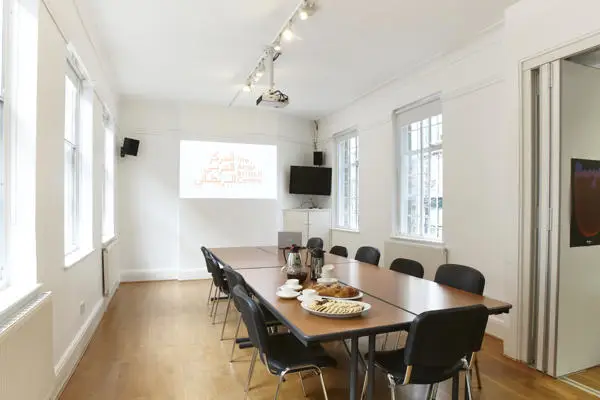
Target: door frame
<point x="520" y="329"/>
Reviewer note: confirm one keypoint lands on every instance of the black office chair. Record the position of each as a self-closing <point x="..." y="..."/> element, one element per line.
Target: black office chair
<point x="408" y="267"/>
<point x="281" y="354"/>
<point x="461" y="277"/>
<point x="339" y="251"/>
<point x="219" y="281"/>
<point x="233" y="279"/>
<point x="368" y="254"/>
<point x="464" y="278"/>
<point x="315" y="243"/>
<point x="438" y="347"/>
<point x="209" y="267"/>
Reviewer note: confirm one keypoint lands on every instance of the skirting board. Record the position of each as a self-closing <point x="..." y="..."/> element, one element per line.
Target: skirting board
<point x="70" y="358"/>
<point x="141" y="275"/>
<point x="496" y="327"/>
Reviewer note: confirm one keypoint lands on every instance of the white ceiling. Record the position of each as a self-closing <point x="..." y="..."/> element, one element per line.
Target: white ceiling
<point x="203" y="50"/>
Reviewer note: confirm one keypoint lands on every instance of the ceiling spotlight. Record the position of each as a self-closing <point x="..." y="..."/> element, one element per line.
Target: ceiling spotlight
<point x="277" y="46"/>
<point x="287" y="33"/>
<point x="247" y="87"/>
<point x="303" y="14"/>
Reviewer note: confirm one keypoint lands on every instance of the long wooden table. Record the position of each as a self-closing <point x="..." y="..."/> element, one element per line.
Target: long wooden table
<point x="395" y="298"/>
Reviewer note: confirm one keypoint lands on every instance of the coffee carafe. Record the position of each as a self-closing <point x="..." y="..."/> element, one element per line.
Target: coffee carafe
<point x="316" y="263"/>
<point x="294" y="268"/>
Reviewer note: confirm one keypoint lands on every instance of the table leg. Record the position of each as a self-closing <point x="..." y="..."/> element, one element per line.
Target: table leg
<point x="353" y="367"/>
<point x="455" y="382"/>
<point x="371" y="368"/>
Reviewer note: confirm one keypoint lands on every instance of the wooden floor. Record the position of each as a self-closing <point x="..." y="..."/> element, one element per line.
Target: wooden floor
<point x="156" y="342"/>
<point x="589" y="377"/>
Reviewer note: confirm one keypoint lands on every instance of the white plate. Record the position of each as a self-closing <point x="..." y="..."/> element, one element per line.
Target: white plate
<point x="301" y="298"/>
<point x="296" y="287"/>
<point x="358" y="296"/>
<point x="366" y="308"/>
<point x="327" y="281"/>
<point x="280" y="294"/>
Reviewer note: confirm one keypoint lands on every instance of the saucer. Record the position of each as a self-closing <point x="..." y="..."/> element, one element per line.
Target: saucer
<point x="301" y="298"/>
<point x="280" y="294"/>
<point x="294" y="287"/>
<point x="327" y="281"/>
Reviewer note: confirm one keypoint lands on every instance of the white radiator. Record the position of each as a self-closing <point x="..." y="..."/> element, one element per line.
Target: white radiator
<point x="429" y="255"/>
<point x="110" y="275"/>
<point x="26" y="370"/>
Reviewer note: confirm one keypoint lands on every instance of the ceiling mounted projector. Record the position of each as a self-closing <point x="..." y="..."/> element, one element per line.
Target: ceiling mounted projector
<point x="273" y="98"/>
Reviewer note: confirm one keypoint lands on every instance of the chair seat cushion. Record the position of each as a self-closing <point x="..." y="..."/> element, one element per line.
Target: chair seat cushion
<point x="286" y="352"/>
<point x="392" y="362"/>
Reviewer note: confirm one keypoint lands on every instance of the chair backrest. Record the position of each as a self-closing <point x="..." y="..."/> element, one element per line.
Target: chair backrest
<point x="339" y="251"/>
<point x="315" y="243"/>
<point x="215" y="270"/>
<point x="234" y="279"/>
<point x="368" y="254"/>
<point x="253" y="318"/>
<point x="441" y="338"/>
<point x="408" y="267"/>
<point x="461" y="277"/>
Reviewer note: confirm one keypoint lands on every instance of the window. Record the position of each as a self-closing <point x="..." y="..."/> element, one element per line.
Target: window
<point x="108" y="200"/>
<point x="419" y="162"/>
<point x="347" y="181"/>
<point x="73" y="89"/>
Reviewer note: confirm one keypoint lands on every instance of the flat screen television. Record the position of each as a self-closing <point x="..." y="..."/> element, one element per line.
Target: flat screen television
<point x="310" y="180"/>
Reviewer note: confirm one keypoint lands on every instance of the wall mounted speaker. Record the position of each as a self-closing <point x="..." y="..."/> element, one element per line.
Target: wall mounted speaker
<point x="318" y="158"/>
<point x="130" y="147"/>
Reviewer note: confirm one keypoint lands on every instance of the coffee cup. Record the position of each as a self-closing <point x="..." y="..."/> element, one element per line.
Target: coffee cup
<point x="292" y="282"/>
<point x="309" y="294"/>
<point x="327" y="271"/>
<point x="287" y="290"/>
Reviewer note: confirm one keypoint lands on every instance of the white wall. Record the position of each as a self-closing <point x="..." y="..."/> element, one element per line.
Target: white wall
<point x="479" y="192"/>
<point x="83" y="281"/>
<point x="578" y="294"/>
<point x="163" y="234"/>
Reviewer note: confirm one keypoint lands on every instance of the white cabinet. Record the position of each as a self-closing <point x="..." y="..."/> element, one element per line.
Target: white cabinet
<point x="311" y="222"/>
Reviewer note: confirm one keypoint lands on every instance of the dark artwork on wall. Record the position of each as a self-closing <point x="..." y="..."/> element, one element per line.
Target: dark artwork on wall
<point x="585" y="202"/>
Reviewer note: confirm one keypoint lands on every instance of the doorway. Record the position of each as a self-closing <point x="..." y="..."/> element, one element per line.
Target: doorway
<point x="563" y="102"/>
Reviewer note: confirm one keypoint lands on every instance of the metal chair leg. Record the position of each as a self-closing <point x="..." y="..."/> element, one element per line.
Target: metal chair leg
<point x="323" y="384"/>
<point x="237" y="331"/>
<point x="435" y="389"/>
<point x="476" y="362"/>
<point x="214" y="302"/>
<point x="360" y="357"/>
<point x="216" y="307"/>
<point x="302" y="384"/>
<point x="468" y="393"/>
<point x="250" y="371"/>
<point x="429" y="392"/>
<point x="364" y="389"/>
<point x="226" y="314"/>
<point x="392" y="385"/>
<point x="209" y="292"/>
<point x="278" y="386"/>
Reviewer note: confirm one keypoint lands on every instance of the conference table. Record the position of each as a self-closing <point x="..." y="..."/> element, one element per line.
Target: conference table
<point x="395" y="298"/>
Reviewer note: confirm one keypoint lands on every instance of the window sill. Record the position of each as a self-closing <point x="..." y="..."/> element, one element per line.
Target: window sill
<point x="346" y="230"/>
<point x="77" y="257"/>
<point x="409" y="239"/>
<point x="14" y="297"/>
<point x="108" y="240"/>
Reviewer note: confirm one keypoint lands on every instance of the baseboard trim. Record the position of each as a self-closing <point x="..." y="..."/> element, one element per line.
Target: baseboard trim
<point x="143" y="275"/>
<point x="193" y="274"/>
<point x="71" y="357"/>
<point x="140" y="275"/>
<point x="496" y="327"/>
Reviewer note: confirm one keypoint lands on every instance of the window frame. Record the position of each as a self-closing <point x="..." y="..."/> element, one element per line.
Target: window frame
<point x="416" y="112"/>
<point x="353" y="220"/>
<point x="109" y="169"/>
<point x="72" y="75"/>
